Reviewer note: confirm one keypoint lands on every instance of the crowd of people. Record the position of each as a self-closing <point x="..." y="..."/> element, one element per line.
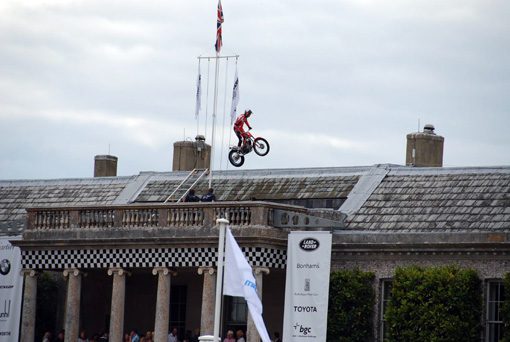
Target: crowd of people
<point x="82" y="337"/>
<point x="240" y="336"/>
<point x="135" y="336"/>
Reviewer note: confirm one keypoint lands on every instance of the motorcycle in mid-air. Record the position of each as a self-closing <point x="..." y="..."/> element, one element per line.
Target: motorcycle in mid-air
<point x="259" y="145"/>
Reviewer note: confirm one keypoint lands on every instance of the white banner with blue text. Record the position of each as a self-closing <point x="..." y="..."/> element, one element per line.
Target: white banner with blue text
<point x="307" y="286"/>
<point x="240" y="282"/>
<point x="11" y="286"/>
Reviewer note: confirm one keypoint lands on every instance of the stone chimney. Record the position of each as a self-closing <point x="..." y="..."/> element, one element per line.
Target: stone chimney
<point x="189" y="155"/>
<point x="425" y="149"/>
<point x="105" y="166"/>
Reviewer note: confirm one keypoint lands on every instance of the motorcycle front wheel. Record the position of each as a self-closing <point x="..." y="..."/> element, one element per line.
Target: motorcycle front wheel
<point x="235" y="158"/>
<point x="261" y="146"/>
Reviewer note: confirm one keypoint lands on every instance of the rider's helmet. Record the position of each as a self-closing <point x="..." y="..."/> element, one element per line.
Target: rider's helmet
<point x="248" y="112"/>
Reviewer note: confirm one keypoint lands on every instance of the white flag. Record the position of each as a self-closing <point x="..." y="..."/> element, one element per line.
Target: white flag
<point x="240" y="282"/>
<point x="199" y="92"/>
<point x="235" y="99"/>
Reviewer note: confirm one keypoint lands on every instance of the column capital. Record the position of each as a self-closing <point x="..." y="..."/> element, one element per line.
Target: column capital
<point x="73" y="271"/>
<point x="31" y="273"/>
<point x="206" y="269"/>
<point x="164" y="270"/>
<point x="118" y="270"/>
<point x="259" y="270"/>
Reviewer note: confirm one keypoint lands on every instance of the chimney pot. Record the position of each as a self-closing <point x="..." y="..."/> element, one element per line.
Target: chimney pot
<point x="425" y="149"/>
<point x="428" y="128"/>
<point x="189" y="155"/>
<point x="105" y="166"/>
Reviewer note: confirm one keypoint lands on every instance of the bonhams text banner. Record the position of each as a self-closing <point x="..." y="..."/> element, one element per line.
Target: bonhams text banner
<point x="307" y="286"/>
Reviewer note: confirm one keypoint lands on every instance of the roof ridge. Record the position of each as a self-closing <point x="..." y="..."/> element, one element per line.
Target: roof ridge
<point x="450" y="170"/>
<point x="364" y="188"/>
<point x="66" y="181"/>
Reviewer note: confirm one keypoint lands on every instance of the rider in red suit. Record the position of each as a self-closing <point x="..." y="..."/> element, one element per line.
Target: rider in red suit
<point x="238" y="125"/>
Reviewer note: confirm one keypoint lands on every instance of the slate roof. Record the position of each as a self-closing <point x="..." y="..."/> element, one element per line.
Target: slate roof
<point x="281" y="184"/>
<point x="437" y="200"/>
<point x="382" y="198"/>
<point x="17" y="195"/>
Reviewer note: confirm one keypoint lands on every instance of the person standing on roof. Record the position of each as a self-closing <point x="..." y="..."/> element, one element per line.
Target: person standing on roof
<point x="238" y="126"/>
<point x="192" y="197"/>
<point x="209" y="196"/>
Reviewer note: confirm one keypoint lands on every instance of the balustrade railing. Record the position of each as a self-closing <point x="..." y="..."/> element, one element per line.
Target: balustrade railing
<point x="96" y="218"/>
<point x="251" y="213"/>
<point x="180" y="217"/>
<point x="237" y="216"/>
<point x="48" y="219"/>
<point x="140" y="217"/>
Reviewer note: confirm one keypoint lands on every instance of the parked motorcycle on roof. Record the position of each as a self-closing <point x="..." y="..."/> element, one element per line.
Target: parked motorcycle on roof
<point x="250" y="143"/>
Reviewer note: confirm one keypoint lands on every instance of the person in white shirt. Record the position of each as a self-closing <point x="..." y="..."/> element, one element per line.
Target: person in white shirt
<point x="83" y="337"/>
<point x="172" y="337"/>
<point x="240" y="337"/>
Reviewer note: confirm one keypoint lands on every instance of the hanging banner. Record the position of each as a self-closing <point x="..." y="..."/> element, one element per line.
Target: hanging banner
<point x="307" y="286"/>
<point x="11" y="286"/>
<point x="235" y="99"/>
<point x="198" y="104"/>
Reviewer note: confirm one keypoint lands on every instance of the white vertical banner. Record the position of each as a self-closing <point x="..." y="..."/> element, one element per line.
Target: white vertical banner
<point x="235" y="99"/>
<point x="307" y="286"/>
<point x="11" y="286"/>
<point x="198" y="105"/>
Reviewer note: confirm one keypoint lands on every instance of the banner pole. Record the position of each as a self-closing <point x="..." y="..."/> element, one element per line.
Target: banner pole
<point x="219" y="277"/>
<point x="215" y="104"/>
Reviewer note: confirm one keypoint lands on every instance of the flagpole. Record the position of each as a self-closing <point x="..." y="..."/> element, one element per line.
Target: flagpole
<point x="215" y="104"/>
<point x="219" y="278"/>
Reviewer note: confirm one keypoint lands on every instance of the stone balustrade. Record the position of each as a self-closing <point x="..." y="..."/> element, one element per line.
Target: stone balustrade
<point x="252" y="213"/>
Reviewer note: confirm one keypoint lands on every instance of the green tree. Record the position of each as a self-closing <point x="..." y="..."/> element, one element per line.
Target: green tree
<point x="351" y="302"/>
<point x="441" y="304"/>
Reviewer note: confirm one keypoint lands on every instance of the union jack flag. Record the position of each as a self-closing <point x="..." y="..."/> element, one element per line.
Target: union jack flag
<point x="219" y="42"/>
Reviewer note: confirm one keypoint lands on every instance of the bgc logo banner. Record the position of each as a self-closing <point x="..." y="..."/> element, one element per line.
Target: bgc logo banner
<point x="307" y="286"/>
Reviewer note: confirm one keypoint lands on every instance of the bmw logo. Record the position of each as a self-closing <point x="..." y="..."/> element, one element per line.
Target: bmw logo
<point x="5" y="266"/>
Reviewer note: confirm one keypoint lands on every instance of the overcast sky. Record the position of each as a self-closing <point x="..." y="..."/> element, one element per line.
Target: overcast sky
<point x="331" y="83"/>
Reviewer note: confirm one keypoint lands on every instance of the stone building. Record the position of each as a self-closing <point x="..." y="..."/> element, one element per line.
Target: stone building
<point x="128" y="259"/>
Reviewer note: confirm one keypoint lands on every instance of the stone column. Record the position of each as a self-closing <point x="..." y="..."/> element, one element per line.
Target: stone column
<point x="162" y="303"/>
<point x="252" y="334"/>
<point x="118" y="298"/>
<point x="29" y="305"/>
<point x="72" y="321"/>
<point x="208" y="297"/>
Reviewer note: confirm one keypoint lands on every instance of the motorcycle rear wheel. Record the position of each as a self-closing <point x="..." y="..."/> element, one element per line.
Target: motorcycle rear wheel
<point x="236" y="158"/>
<point x="261" y="146"/>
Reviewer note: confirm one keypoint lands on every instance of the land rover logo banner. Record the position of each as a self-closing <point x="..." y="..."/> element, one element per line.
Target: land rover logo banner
<point x="11" y="285"/>
<point x="307" y="286"/>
